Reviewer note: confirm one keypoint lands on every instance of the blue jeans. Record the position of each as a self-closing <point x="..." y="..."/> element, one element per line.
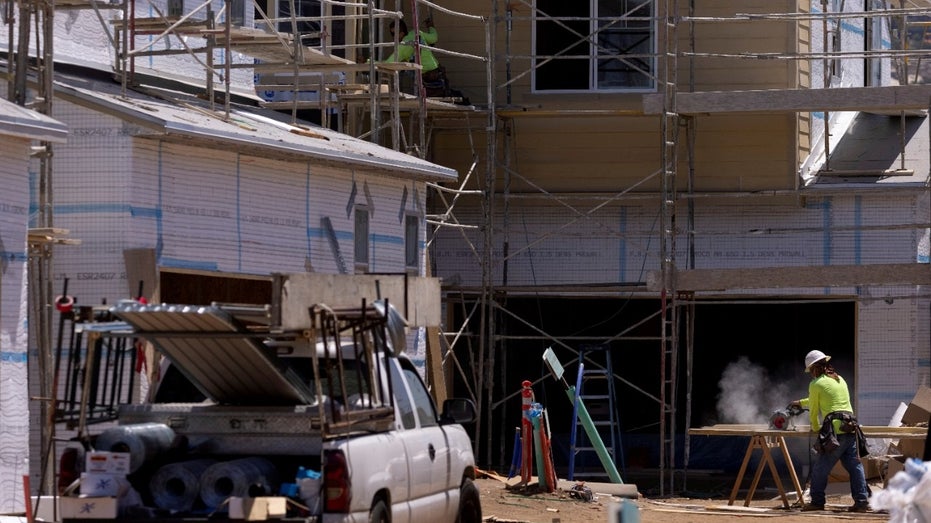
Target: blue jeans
<point x="846" y="452"/>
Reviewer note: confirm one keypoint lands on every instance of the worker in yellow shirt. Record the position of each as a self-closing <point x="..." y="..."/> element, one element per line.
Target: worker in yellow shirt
<point x="428" y="37"/>
<point x="839" y="435"/>
<point x="433" y="75"/>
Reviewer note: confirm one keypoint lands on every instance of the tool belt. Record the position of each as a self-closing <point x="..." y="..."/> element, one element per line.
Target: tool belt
<point x="827" y="439"/>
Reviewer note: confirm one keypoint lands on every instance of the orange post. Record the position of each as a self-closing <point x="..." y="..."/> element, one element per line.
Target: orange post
<point x="526" y="433"/>
<point x="549" y="470"/>
<point x="27" y="491"/>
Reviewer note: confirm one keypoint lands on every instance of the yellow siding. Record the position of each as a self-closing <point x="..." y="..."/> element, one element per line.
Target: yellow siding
<point x="732" y="153"/>
<point x="613" y="153"/>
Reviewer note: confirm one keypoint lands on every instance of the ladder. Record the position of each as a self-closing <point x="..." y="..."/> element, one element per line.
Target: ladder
<point x="595" y="388"/>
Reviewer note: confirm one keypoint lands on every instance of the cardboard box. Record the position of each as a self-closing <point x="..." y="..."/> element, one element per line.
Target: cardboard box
<point x="107" y="462"/>
<point x="838" y="474"/>
<point x="894" y="464"/>
<point x="911" y="448"/>
<point x="258" y="509"/>
<point x="872" y="469"/>
<point x="45" y="508"/>
<point x="919" y="410"/>
<point x="86" y="507"/>
<point x="101" y="484"/>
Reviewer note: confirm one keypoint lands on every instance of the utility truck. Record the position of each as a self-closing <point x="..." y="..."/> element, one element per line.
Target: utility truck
<point x="297" y="409"/>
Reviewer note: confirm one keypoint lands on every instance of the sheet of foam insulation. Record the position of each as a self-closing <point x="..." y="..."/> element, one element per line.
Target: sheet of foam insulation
<point x="212" y="209"/>
<point x="92" y="189"/>
<point x="552" y="245"/>
<point x="14" y="393"/>
<point x="892" y="350"/>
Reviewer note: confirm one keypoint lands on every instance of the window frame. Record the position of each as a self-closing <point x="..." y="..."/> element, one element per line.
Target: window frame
<point x="362" y="240"/>
<point x="412" y="242"/>
<point x="593" y="54"/>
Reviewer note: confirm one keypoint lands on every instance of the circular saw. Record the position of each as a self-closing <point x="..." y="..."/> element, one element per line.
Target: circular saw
<point x="784" y="419"/>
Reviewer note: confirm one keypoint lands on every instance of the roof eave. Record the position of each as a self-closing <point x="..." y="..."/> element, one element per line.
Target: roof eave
<point x="169" y="129"/>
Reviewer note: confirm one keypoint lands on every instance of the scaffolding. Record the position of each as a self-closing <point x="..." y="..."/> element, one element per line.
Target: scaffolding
<point x="359" y="94"/>
<point x="675" y="103"/>
<point x="29" y="84"/>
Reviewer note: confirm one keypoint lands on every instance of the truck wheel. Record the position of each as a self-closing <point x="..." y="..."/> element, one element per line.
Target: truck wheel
<point x="470" y="507"/>
<point x="379" y="513"/>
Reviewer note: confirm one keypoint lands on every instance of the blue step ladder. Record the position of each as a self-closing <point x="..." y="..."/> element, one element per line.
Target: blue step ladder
<point x="595" y="387"/>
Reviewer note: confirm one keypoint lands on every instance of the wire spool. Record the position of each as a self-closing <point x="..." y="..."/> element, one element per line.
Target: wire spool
<point x="240" y="478"/>
<point x="176" y="487"/>
<point x="144" y="441"/>
<point x="64" y="304"/>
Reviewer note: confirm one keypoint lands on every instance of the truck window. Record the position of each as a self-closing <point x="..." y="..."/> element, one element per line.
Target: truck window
<point x="422" y="399"/>
<point x="402" y="400"/>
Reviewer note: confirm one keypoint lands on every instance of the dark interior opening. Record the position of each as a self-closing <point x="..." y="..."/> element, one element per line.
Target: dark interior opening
<point x="750" y="341"/>
<point x="203" y="289"/>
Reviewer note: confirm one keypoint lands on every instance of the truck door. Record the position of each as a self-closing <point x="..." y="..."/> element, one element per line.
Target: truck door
<point x="427" y="449"/>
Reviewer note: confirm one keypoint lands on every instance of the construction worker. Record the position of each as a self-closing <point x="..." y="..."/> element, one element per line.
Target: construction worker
<point x="433" y="75"/>
<point x="839" y="435"/>
<point x="405" y="53"/>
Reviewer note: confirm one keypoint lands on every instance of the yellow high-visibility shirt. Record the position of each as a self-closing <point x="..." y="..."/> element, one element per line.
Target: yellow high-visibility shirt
<point x="826" y="395"/>
<point x="406" y="49"/>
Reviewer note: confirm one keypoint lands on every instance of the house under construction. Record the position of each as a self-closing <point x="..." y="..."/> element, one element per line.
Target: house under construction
<point x="684" y="193"/>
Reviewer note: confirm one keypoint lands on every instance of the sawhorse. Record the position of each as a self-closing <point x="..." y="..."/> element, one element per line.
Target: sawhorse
<point x="766" y="443"/>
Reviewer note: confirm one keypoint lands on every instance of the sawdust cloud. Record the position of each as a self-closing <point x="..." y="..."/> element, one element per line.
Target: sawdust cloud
<point x="748" y="394"/>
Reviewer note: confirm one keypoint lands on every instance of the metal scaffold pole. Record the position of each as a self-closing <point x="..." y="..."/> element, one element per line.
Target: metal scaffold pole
<point x="39" y="14"/>
<point x="669" y="350"/>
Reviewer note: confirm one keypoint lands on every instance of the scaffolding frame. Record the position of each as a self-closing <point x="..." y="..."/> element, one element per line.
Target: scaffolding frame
<point x="673" y="100"/>
<point x="677" y="305"/>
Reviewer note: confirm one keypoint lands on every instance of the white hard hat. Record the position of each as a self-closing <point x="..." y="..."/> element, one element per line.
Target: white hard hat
<point x="814" y="357"/>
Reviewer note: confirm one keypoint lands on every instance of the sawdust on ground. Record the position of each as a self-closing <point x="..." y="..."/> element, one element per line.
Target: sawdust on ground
<point x="509" y="503"/>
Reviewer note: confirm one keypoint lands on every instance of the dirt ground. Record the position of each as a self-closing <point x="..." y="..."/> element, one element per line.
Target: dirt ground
<point x="505" y="502"/>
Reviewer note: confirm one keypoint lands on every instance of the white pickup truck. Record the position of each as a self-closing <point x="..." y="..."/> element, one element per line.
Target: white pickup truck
<point x="332" y="417"/>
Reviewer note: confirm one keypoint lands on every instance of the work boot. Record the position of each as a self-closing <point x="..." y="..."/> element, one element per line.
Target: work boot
<point x="860" y="506"/>
<point x="811" y="507"/>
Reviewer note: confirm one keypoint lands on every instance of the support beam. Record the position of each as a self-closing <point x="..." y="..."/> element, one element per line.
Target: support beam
<point x="796" y="277"/>
<point x="870" y="99"/>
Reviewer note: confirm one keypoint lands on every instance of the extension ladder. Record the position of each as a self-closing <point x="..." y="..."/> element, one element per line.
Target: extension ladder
<point x="595" y="387"/>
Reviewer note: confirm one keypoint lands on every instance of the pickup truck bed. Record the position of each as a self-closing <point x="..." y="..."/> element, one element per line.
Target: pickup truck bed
<point x="270" y="405"/>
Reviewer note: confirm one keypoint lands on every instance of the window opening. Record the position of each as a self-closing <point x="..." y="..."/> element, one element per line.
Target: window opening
<point x="412" y="241"/>
<point x="596" y="45"/>
<point x="362" y="239"/>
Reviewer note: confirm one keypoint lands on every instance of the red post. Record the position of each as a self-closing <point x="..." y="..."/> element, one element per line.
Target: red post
<point x="526" y="433"/>
<point x="27" y="491"/>
<point x="550" y="470"/>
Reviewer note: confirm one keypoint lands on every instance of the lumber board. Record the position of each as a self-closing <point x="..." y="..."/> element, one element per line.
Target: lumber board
<point x="85" y="4"/>
<point x="434" y="368"/>
<point x="796" y="277"/>
<point x="417" y="298"/>
<point x="885" y="98"/>
<point x="870" y="431"/>
<point x="142" y="267"/>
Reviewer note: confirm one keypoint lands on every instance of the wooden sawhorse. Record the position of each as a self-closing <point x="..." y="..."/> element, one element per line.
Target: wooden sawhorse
<point x="766" y="444"/>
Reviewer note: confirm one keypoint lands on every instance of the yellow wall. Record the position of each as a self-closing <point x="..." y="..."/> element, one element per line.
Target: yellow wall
<point x="575" y="152"/>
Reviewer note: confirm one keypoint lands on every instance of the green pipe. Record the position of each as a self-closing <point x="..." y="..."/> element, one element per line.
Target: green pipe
<point x="538" y="450"/>
<point x="595" y="438"/>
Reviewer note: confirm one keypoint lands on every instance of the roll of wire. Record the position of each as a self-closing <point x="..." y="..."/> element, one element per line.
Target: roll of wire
<point x="176" y="486"/>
